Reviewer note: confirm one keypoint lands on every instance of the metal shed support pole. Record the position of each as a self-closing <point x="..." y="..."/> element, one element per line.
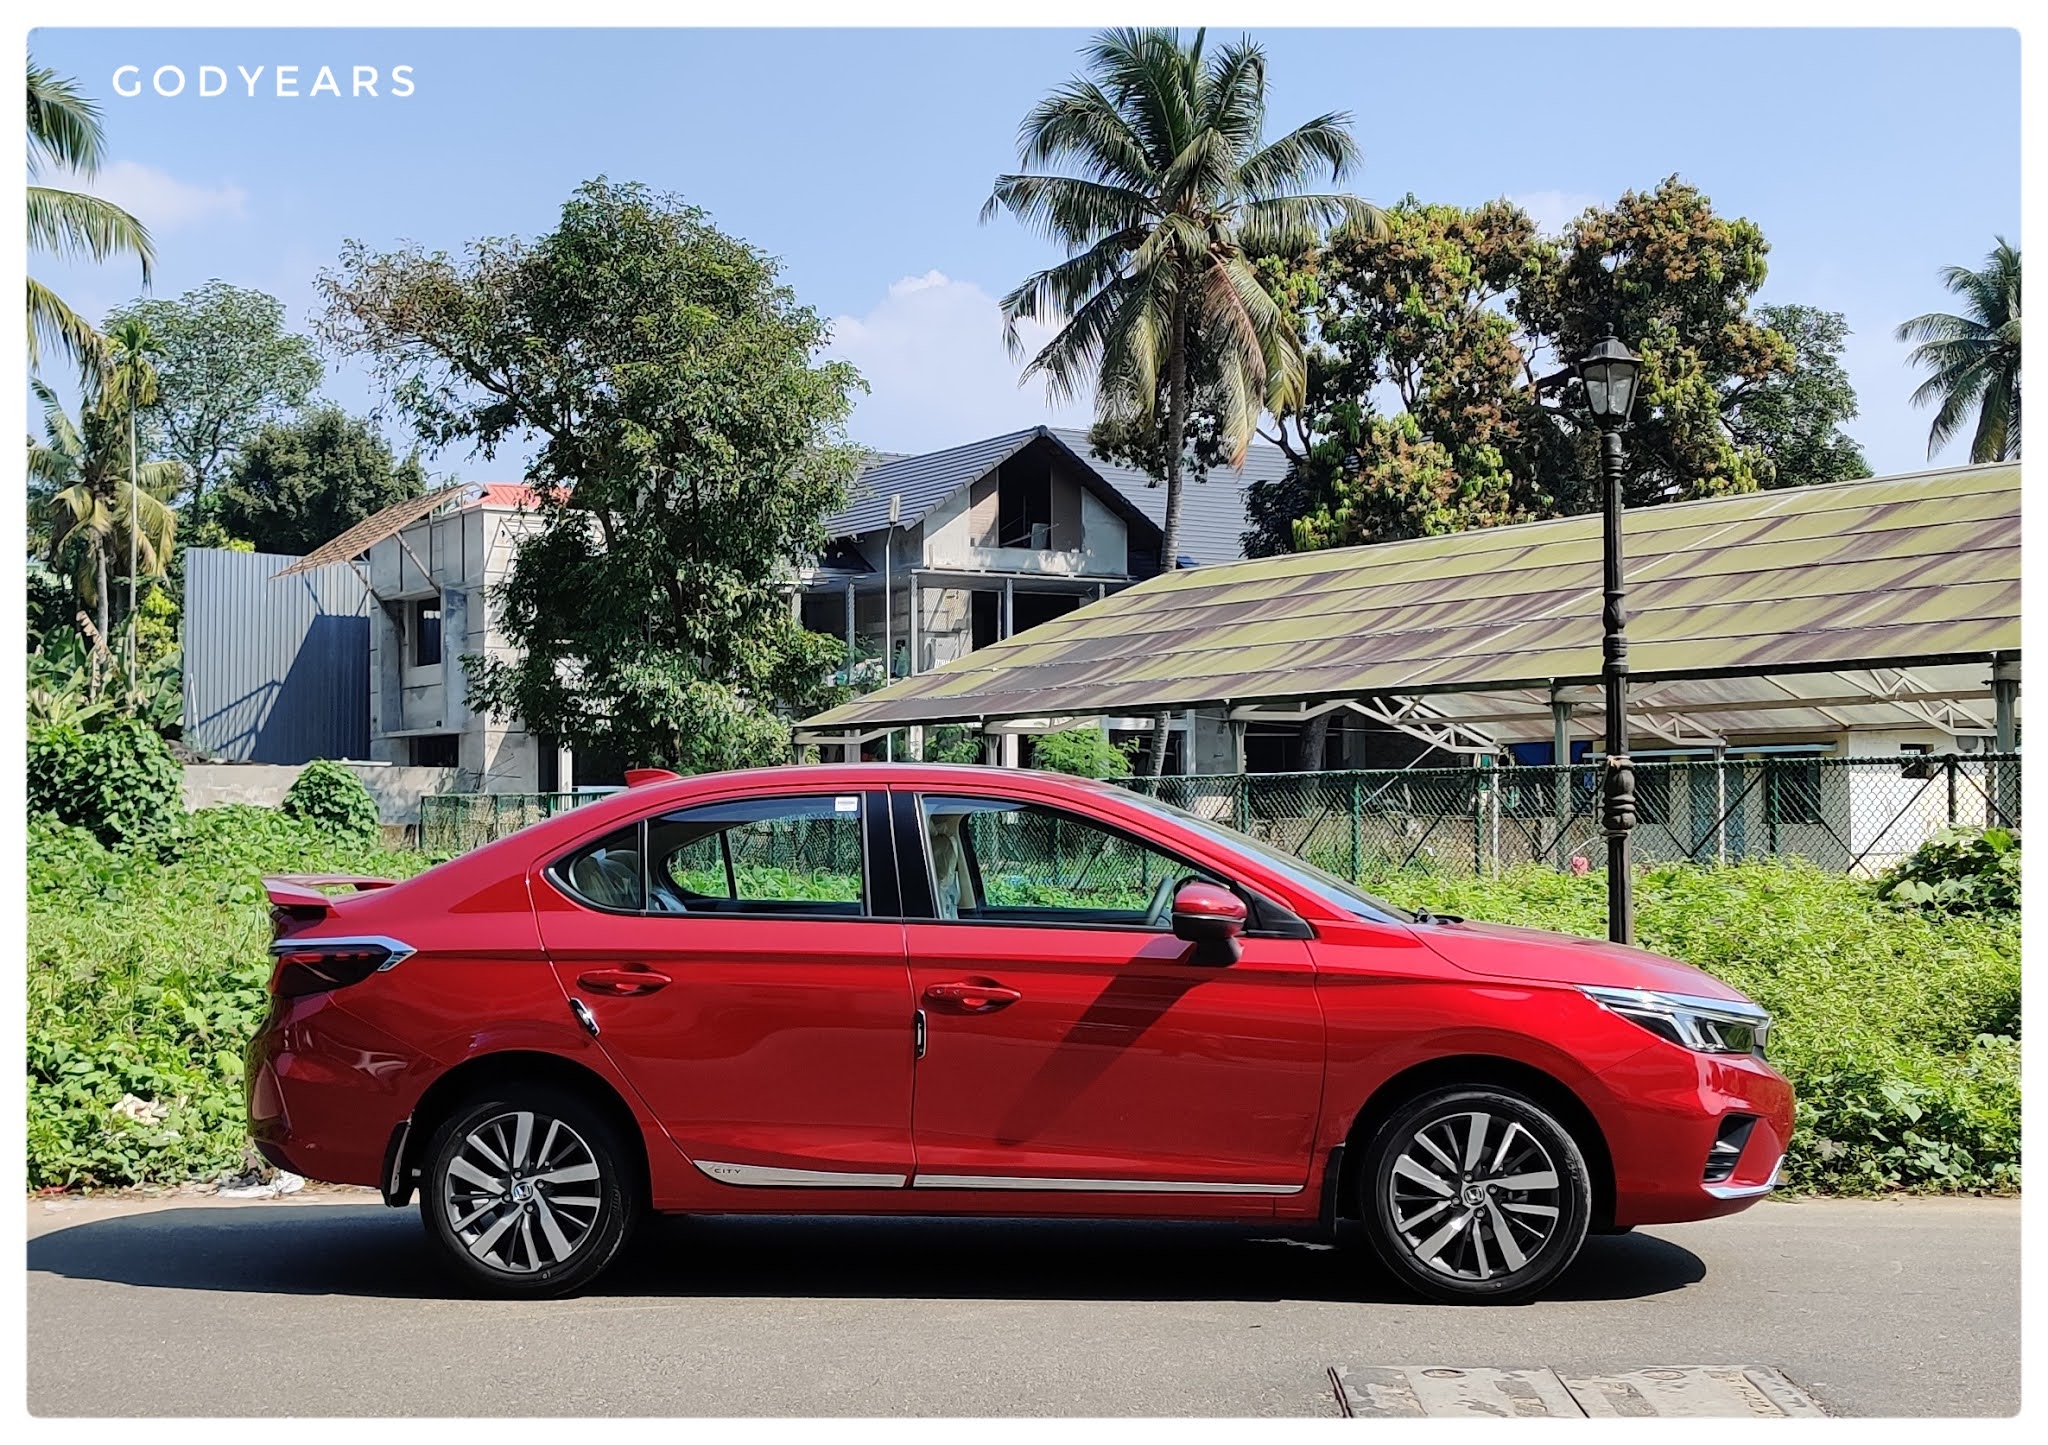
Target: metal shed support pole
<point x="1560" y="759"/>
<point x="1009" y="606"/>
<point x="2005" y="695"/>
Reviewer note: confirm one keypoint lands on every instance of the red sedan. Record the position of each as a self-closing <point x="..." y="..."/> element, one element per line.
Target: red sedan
<point x="936" y="990"/>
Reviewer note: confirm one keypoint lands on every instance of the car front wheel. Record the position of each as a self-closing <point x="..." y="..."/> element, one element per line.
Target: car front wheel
<point x="528" y="1191"/>
<point x="1476" y="1194"/>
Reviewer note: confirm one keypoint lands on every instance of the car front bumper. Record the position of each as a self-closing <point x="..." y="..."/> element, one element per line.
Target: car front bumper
<point x="1673" y="1106"/>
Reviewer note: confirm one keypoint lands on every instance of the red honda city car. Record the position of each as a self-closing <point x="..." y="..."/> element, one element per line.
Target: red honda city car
<point x="909" y="989"/>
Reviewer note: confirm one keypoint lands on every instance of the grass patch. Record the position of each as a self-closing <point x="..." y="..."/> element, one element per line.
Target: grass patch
<point x="1899" y="1026"/>
<point x="146" y="978"/>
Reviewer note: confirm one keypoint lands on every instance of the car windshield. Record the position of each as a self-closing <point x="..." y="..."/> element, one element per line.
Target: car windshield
<point x="1342" y="896"/>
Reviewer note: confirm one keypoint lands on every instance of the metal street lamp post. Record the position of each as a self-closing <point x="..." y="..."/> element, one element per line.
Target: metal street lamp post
<point x="1609" y="373"/>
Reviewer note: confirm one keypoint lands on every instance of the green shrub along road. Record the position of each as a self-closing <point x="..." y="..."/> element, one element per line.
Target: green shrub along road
<point x="1899" y="1025"/>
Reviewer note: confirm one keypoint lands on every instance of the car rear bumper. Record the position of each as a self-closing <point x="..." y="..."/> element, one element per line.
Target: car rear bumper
<point x="326" y="1091"/>
<point x="1676" y="1106"/>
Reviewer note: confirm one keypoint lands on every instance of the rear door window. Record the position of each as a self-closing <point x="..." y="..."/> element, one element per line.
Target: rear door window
<point x="772" y="857"/>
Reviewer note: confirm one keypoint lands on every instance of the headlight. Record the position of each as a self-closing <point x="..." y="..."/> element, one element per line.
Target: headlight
<point x="1704" y="1025"/>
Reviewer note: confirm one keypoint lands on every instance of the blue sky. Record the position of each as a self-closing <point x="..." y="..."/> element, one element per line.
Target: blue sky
<point x="861" y="158"/>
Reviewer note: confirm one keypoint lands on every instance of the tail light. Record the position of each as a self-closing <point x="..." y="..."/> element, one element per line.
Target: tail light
<point x="321" y="965"/>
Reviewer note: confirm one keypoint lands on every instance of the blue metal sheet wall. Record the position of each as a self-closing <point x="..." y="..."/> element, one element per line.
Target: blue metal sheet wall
<point x="275" y="671"/>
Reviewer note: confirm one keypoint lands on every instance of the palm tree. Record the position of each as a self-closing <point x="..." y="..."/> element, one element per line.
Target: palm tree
<point x="64" y="131"/>
<point x="1174" y="195"/>
<point x="79" y="474"/>
<point x="130" y="386"/>
<point x="1975" y="358"/>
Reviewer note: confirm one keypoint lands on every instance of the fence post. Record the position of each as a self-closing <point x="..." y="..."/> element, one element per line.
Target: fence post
<point x="1561" y="760"/>
<point x="1949" y="767"/>
<point x="1721" y="805"/>
<point x="1770" y="766"/>
<point x="1242" y="802"/>
<point x="1357" y="824"/>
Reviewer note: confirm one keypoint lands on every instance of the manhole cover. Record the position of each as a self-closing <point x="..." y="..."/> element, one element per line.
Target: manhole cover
<point x="1379" y="1392"/>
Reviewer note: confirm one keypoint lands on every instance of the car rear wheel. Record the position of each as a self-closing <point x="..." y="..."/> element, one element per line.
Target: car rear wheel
<point x="1476" y="1194"/>
<point x="528" y="1191"/>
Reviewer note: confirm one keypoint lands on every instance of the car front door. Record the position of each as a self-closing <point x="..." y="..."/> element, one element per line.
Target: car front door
<point x="1072" y="1043"/>
<point x="742" y="962"/>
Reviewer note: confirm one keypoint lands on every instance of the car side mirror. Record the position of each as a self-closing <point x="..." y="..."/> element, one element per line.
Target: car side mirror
<point x="1212" y="918"/>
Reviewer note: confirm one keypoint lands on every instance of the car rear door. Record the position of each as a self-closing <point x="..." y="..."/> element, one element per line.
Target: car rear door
<point x="742" y="962"/>
<point x="1071" y="1047"/>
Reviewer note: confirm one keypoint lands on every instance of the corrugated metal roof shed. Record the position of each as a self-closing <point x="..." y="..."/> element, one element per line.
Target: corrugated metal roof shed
<point x="275" y="673"/>
<point x="1920" y="570"/>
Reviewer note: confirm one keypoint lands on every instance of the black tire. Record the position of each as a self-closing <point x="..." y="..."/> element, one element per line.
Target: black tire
<point x="1487" y="1241"/>
<point x="514" y="1245"/>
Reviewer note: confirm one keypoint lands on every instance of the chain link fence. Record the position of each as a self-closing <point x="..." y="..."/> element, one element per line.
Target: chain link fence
<point x="457" y="822"/>
<point x="1856" y="815"/>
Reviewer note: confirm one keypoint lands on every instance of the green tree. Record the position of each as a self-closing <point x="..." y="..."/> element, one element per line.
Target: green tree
<point x="80" y="493"/>
<point x="129" y="386"/>
<point x="1469" y="320"/>
<point x="64" y="132"/>
<point x="690" y="444"/>
<point x="296" y="484"/>
<point x="227" y="368"/>
<point x="1174" y="194"/>
<point x="1975" y="358"/>
<point x="1794" y="417"/>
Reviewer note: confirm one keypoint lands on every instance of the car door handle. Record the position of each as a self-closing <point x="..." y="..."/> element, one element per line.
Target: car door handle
<point x="972" y="995"/>
<point x="623" y="982"/>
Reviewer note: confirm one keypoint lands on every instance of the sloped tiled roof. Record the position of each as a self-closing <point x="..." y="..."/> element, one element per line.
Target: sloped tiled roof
<point x="1212" y="519"/>
<point x="929" y="478"/>
<point x="1728" y="598"/>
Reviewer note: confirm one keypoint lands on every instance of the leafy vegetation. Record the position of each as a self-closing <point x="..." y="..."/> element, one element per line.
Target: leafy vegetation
<point x="1083" y="752"/>
<point x="226" y="368"/>
<point x="1900" y="1027"/>
<point x="297" y="483"/>
<point x="114" y="777"/>
<point x="690" y="441"/>
<point x="146" y="980"/>
<point x="327" y="796"/>
<point x="64" y="133"/>
<point x="1974" y="359"/>
<point x="1960" y="870"/>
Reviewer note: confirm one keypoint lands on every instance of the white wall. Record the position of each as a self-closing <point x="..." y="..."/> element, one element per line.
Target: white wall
<point x="398" y="790"/>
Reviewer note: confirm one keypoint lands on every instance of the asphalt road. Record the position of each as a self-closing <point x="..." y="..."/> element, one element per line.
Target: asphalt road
<point x="332" y="1305"/>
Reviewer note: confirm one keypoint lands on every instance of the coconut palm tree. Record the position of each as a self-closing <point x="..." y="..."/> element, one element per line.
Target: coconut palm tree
<point x="79" y="478"/>
<point x="131" y="385"/>
<point x="64" y="132"/>
<point x="1974" y="358"/>
<point x="1172" y="194"/>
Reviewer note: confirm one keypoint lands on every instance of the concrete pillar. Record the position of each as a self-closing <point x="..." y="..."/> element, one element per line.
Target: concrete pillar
<point x="455" y="641"/>
<point x="2005" y="697"/>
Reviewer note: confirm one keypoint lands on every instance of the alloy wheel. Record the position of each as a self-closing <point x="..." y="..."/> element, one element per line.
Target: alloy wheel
<point x="523" y="1192"/>
<point x="1474" y="1195"/>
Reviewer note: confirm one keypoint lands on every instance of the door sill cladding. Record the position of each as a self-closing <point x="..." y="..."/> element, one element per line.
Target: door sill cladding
<point x="1096" y="1186"/>
<point x="762" y="1175"/>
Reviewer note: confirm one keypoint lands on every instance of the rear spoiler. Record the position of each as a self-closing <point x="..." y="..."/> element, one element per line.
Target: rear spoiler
<point x="299" y="897"/>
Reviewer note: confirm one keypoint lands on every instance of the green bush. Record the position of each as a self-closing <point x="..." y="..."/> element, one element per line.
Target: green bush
<point x="328" y="795"/>
<point x="1084" y="752"/>
<point x="118" y="780"/>
<point x="1898" y="1026"/>
<point x="1960" y="870"/>
<point x="146" y="978"/>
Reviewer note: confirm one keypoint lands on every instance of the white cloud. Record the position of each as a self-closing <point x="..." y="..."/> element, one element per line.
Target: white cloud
<point x="1552" y="210"/>
<point x="938" y="374"/>
<point x="159" y="199"/>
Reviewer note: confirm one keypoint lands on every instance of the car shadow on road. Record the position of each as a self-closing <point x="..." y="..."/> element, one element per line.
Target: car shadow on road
<point x="367" y="1250"/>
